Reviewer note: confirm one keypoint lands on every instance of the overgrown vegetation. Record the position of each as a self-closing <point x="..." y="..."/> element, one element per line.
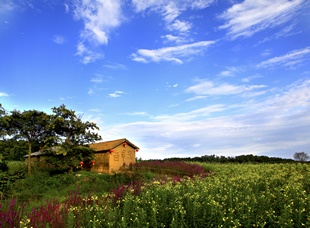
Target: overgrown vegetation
<point x="151" y="195"/>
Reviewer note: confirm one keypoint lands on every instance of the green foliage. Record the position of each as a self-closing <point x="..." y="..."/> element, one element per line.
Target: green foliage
<point x="69" y="128"/>
<point x="12" y="149"/>
<point x="66" y="156"/>
<point x="14" y="171"/>
<point x="63" y="130"/>
<point x="17" y="168"/>
<point x="41" y="185"/>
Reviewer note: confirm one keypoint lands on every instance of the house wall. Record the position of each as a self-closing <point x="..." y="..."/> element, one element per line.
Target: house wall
<point x="121" y="155"/>
<point x="33" y="160"/>
<point x="101" y="163"/>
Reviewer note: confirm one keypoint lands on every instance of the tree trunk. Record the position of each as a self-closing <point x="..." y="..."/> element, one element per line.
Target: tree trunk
<point x="29" y="157"/>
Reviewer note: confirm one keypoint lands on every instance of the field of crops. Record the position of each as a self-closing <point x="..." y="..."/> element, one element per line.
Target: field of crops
<point x="247" y="195"/>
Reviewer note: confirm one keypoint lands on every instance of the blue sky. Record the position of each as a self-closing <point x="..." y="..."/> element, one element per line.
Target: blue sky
<point x="179" y="78"/>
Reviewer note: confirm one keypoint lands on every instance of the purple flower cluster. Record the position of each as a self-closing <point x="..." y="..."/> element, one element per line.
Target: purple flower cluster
<point x="175" y="168"/>
<point x="119" y="192"/>
<point x="53" y="213"/>
<point x="11" y="215"/>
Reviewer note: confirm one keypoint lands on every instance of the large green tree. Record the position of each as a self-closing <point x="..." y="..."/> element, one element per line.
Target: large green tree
<point x="63" y="134"/>
<point x="68" y="144"/>
<point x="32" y="126"/>
<point x="3" y="122"/>
<point x="69" y="128"/>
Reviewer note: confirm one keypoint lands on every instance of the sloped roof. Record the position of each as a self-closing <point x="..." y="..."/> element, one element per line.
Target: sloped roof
<point x="100" y="146"/>
<point x="109" y="145"/>
<point x="41" y="152"/>
<point x="35" y="154"/>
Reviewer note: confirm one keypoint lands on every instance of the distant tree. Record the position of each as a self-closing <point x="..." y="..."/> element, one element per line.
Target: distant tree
<point x="301" y="156"/>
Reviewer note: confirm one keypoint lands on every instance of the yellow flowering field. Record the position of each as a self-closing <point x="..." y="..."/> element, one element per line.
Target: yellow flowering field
<point x="232" y="195"/>
<point x="265" y="195"/>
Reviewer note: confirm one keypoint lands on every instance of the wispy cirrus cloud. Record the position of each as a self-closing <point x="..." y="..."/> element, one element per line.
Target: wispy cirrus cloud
<point x="137" y="113"/>
<point x="6" y="6"/>
<point x="115" y="66"/>
<point x="98" y="78"/>
<point x="99" y="17"/>
<point x="195" y="98"/>
<point x="2" y="94"/>
<point x="251" y="16"/>
<point x="176" y="54"/>
<point x="211" y="88"/>
<point x="230" y="71"/>
<point x="117" y="93"/>
<point x="170" y="10"/>
<point x="290" y="59"/>
<point x="175" y="39"/>
<point x="59" y="39"/>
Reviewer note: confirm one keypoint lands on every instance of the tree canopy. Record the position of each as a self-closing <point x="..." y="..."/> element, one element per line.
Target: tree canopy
<point x="301" y="156"/>
<point x="62" y="134"/>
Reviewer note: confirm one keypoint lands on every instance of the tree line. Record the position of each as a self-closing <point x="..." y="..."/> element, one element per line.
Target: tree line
<point x="62" y="134"/>
<point x="250" y="158"/>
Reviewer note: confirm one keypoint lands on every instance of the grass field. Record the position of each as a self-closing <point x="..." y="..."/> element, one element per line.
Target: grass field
<point x="228" y="195"/>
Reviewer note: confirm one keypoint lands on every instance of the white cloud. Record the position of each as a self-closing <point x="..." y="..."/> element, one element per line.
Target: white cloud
<point x="87" y="54"/>
<point x="67" y="9"/>
<point x="175" y="54"/>
<point x="116" y="94"/>
<point x="195" y="98"/>
<point x="97" y="79"/>
<point x="6" y="6"/>
<point x="59" y="39"/>
<point x="230" y="71"/>
<point x="181" y="26"/>
<point x="90" y="92"/>
<point x="226" y="73"/>
<point x="289" y="60"/>
<point x="251" y="16"/>
<point x="175" y="39"/>
<point x="136" y="114"/>
<point x="2" y="94"/>
<point x="170" y="6"/>
<point x="266" y="52"/>
<point x="250" y="78"/>
<point x="115" y="66"/>
<point x="210" y="88"/>
<point x="99" y="18"/>
<point x="201" y="4"/>
<point x="198" y="113"/>
<point x="141" y="5"/>
<point x="170" y="10"/>
<point x="280" y="124"/>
